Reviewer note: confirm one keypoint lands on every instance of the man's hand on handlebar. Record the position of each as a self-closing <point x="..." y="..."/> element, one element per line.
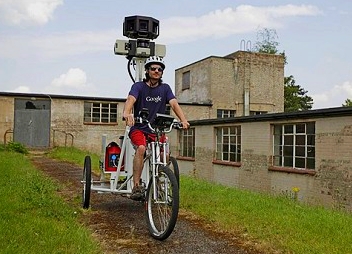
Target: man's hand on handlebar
<point x="185" y="125"/>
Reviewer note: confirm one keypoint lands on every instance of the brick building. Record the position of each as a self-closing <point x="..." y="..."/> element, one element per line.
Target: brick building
<point x="43" y="120"/>
<point x="275" y="153"/>
<point x="242" y="83"/>
<point x="239" y="135"/>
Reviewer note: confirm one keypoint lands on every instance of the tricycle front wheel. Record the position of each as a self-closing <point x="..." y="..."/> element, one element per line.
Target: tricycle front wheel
<point x="162" y="208"/>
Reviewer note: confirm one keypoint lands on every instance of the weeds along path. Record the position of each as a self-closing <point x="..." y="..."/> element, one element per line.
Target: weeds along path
<point x="118" y="223"/>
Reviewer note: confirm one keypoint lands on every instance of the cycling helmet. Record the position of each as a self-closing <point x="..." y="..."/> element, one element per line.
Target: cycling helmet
<point x="154" y="60"/>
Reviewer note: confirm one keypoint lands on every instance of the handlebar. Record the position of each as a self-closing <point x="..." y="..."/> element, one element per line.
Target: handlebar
<point x="174" y="125"/>
<point x="162" y="123"/>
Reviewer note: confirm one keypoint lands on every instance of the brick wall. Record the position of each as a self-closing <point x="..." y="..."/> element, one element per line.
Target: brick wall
<point x="223" y="81"/>
<point x="331" y="185"/>
<point x="6" y="119"/>
<point x="67" y="118"/>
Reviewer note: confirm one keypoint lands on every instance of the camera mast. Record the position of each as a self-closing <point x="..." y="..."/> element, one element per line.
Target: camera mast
<point x="140" y="30"/>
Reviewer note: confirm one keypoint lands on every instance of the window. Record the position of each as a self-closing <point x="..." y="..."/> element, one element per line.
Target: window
<point x="228" y="144"/>
<point x="187" y="142"/>
<point x="224" y="113"/>
<point x="186" y="80"/>
<point x="96" y="112"/>
<point x="294" y="145"/>
<point x="254" y="113"/>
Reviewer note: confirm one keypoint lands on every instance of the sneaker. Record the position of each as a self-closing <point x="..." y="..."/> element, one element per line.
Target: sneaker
<point x="138" y="193"/>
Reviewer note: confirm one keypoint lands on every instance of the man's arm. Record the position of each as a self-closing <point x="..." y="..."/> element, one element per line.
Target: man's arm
<point x="127" y="110"/>
<point x="179" y="113"/>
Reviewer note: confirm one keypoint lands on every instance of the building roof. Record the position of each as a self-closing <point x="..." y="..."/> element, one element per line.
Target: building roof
<point x="316" y="113"/>
<point x="57" y="96"/>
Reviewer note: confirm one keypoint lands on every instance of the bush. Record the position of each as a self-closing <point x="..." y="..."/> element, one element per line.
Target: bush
<point x="16" y="147"/>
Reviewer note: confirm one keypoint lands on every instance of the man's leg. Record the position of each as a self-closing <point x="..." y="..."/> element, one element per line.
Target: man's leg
<point x="139" y="141"/>
<point x="138" y="164"/>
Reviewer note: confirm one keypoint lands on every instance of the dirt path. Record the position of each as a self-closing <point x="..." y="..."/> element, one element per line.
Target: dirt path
<point x="119" y="224"/>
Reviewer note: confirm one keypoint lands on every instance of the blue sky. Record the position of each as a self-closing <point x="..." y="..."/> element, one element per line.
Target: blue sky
<point x="66" y="47"/>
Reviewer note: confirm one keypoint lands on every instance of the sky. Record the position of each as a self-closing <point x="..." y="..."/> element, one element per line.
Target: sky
<point x="67" y="47"/>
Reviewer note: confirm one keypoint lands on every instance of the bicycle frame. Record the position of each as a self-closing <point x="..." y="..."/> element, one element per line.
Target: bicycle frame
<point x="154" y="146"/>
<point x="126" y="157"/>
<point x="153" y="153"/>
<point x="162" y="186"/>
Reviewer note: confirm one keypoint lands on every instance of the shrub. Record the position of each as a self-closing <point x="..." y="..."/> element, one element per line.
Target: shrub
<point x="16" y="147"/>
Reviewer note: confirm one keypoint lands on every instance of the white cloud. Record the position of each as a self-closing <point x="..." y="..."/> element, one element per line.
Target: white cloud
<point x="229" y="21"/>
<point x="219" y="23"/>
<point x="73" y="82"/>
<point x="22" y="89"/>
<point x="76" y="42"/>
<point x="345" y="88"/>
<point x="75" y="78"/>
<point x="28" y="12"/>
<point x="334" y="97"/>
<point x="57" y="44"/>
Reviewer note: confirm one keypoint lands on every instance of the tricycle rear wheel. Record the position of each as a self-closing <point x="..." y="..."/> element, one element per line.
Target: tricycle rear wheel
<point x="87" y="182"/>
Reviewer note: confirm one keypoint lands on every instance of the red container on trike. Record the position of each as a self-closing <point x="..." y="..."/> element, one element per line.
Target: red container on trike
<point x="112" y="157"/>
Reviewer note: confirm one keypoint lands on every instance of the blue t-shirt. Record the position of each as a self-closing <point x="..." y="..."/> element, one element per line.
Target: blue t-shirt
<point x="152" y="98"/>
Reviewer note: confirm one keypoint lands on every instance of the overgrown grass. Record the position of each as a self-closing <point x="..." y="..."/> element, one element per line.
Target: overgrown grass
<point x="33" y="218"/>
<point x="76" y="156"/>
<point x="14" y="147"/>
<point x="276" y="223"/>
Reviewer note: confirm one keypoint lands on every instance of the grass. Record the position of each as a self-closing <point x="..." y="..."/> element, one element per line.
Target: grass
<point x="76" y="156"/>
<point x="31" y="213"/>
<point x="33" y="218"/>
<point x="275" y="223"/>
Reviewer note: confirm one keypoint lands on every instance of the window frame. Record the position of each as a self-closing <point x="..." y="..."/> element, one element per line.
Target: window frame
<point x="225" y="113"/>
<point x="228" y="138"/>
<point x="98" y="112"/>
<point x="186" y="80"/>
<point x="187" y="143"/>
<point x="294" y="145"/>
<point x="255" y="113"/>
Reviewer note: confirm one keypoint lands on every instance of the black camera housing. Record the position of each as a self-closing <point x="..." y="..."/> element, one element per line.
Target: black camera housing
<point x="137" y="27"/>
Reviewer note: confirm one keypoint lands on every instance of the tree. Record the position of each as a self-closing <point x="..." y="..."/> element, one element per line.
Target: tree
<point x="266" y="41"/>
<point x="296" y="98"/>
<point x="348" y="103"/>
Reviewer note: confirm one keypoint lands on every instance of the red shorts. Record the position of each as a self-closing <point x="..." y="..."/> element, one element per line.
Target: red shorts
<point x="139" y="138"/>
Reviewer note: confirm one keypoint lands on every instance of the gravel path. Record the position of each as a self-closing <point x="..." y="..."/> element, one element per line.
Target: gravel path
<point x="118" y="223"/>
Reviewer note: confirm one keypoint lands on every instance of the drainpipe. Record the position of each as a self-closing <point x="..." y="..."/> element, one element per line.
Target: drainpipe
<point x="236" y="70"/>
<point x="246" y="101"/>
<point x="246" y="87"/>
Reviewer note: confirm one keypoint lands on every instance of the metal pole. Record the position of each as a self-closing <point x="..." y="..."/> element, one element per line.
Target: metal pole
<point x="139" y="68"/>
<point x="102" y="158"/>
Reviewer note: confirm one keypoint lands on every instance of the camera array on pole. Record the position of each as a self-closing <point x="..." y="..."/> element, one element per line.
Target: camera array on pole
<point x="141" y="30"/>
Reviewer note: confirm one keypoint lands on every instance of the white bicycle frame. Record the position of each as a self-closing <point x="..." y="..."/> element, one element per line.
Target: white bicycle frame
<point x="126" y="160"/>
<point x="153" y="153"/>
<point x="156" y="151"/>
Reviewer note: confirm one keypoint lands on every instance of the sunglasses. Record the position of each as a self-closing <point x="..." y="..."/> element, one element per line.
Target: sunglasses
<point x="155" y="68"/>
